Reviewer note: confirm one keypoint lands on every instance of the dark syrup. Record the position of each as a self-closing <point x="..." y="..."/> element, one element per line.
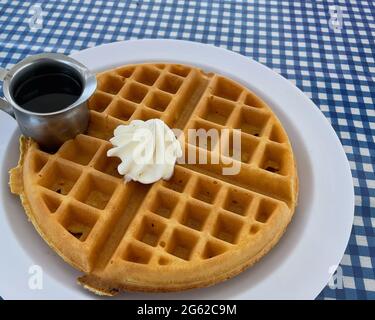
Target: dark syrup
<point x="49" y="92"/>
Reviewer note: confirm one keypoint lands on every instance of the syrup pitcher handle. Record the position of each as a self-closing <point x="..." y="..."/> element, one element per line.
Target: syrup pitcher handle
<point x="4" y="105"/>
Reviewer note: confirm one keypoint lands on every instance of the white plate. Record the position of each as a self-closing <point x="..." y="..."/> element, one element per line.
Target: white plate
<point x="297" y="268"/>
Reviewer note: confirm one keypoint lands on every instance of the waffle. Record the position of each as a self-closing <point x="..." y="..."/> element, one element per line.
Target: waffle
<point x="196" y="229"/>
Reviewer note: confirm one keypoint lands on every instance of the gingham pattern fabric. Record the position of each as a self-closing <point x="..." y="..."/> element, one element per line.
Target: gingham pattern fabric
<point x="334" y="67"/>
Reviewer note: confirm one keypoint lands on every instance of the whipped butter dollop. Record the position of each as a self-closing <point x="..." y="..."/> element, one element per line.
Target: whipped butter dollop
<point x="148" y="150"/>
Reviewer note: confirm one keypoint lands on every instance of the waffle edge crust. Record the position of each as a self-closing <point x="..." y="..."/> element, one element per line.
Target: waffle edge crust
<point x="195" y="230"/>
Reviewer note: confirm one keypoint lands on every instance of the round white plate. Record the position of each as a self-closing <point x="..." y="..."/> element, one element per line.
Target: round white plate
<point x="297" y="268"/>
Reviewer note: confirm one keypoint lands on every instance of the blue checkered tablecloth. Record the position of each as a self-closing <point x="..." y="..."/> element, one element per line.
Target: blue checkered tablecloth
<point x="326" y="48"/>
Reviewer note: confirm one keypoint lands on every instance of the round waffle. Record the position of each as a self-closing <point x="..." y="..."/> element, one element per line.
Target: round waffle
<point x="196" y="229"/>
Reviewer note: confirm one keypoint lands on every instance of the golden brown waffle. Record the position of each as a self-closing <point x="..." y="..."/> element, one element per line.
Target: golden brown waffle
<point x="200" y="227"/>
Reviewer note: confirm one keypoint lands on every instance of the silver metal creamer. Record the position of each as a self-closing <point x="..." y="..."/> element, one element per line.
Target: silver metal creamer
<point x="47" y="94"/>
